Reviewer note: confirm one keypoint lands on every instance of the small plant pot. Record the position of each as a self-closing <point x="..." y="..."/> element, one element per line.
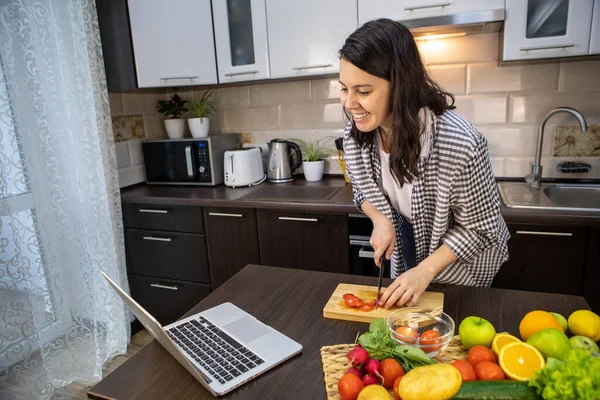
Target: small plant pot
<point x="313" y="170"/>
<point x="199" y="127"/>
<point x="175" y="128"/>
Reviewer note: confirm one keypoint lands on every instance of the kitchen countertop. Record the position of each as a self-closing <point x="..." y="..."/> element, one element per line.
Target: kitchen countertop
<point x="292" y="302"/>
<point x="339" y="202"/>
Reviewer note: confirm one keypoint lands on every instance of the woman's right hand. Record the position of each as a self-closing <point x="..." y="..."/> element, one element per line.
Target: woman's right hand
<point x="383" y="238"/>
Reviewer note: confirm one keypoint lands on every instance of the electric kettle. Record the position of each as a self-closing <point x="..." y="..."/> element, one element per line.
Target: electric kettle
<point x="284" y="158"/>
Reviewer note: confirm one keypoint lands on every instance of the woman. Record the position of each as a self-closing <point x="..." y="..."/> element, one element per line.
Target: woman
<point x="419" y="170"/>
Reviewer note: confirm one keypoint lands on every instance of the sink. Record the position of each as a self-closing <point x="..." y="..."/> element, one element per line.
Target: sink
<point x="303" y="194"/>
<point x="551" y="196"/>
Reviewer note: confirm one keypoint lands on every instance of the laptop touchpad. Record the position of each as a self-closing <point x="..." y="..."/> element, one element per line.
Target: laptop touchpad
<point x="247" y="329"/>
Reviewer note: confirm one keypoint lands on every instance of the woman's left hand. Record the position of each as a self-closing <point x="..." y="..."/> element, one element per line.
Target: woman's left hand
<point x="407" y="288"/>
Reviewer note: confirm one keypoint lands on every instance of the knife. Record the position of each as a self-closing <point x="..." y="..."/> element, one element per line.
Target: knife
<point x="382" y="262"/>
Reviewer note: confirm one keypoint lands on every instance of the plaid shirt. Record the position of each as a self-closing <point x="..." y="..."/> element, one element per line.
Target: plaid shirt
<point x="454" y="201"/>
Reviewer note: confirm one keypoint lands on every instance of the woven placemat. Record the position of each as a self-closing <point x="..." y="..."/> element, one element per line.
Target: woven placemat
<point x="335" y="363"/>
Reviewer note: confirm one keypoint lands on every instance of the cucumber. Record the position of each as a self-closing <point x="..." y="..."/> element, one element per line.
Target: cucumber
<point x="496" y="390"/>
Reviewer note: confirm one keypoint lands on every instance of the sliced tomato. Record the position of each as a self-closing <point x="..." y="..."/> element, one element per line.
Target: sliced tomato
<point x="348" y="296"/>
<point x="355" y="302"/>
<point x="371" y="302"/>
<point x="367" y="307"/>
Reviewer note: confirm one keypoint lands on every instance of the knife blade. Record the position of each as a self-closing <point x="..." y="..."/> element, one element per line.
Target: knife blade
<point x="382" y="262"/>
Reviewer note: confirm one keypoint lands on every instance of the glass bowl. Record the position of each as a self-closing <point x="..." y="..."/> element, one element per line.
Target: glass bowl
<point x="408" y="324"/>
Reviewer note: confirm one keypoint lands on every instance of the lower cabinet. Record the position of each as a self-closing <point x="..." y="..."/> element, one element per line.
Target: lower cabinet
<point x="545" y="258"/>
<point x="166" y="299"/>
<point x="591" y="277"/>
<point x="303" y="240"/>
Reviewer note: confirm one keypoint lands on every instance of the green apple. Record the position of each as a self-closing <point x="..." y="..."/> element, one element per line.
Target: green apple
<point x="561" y="319"/>
<point x="584" y="342"/>
<point x="476" y="330"/>
<point x="551" y="343"/>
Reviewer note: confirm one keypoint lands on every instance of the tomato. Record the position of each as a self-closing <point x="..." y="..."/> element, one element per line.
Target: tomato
<point x="409" y="335"/>
<point x="480" y="353"/>
<point x="355" y="302"/>
<point x="349" y="386"/>
<point x="429" y="338"/>
<point x="488" y="371"/>
<point x="466" y="370"/>
<point x="348" y="296"/>
<point x="390" y="370"/>
<point x="371" y="302"/>
<point x="366" y="307"/>
<point x="396" y="384"/>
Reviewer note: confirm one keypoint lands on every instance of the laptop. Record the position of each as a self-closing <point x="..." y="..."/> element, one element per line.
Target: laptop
<point x="222" y="347"/>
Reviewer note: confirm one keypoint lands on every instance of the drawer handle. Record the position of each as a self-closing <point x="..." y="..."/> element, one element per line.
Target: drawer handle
<point x="157" y="239"/>
<point x="215" y="214"/>
<point x="147" y="210"/>
<point x="299" y="219"/>
<point x="158" y="285"/>
<point x="366" y="253"/>
<point x="359" y="243"/>
<point x="544" y="233"/>
<point x="168" y="78"/>
<point x="242" y="73"/>
<point x="564" y="46"/>
<point x="425" y="7"/>
<point x="312" y="67"/>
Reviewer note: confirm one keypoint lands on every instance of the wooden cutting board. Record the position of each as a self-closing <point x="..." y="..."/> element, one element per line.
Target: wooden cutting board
<point x="336" y="307"/>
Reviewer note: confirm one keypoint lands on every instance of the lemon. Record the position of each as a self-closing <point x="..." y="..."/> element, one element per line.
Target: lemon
<point x="585" y="323"/>
<point x="431" y="382"/>
<point x="374" y="392"/>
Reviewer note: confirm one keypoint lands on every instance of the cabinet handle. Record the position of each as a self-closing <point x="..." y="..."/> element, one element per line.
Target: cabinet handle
<point x="242" y="73"/>
<point x="168" y="78"/>
<point x="312" y="66"/>
<point x="146" y="210"/>
<point x="425" y="7"/>
<point x="157" y="239"/>
<point x="366" y="253"/>
<point x="564" y="46"/>
<point x="544" y="233"/>
<point x="215" y="214"/>
<point x="299" y="219"/>
<point x="158" y="285"/>
<point x="360" y="243"/>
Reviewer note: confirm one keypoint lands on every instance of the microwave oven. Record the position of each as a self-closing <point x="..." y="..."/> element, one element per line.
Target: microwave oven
<point x="187" y="161"/>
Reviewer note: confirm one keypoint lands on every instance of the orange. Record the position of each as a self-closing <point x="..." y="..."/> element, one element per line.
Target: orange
<point x="535" y="321"/>
<point x="501" y="340"/>
<point x="520" y="360"/>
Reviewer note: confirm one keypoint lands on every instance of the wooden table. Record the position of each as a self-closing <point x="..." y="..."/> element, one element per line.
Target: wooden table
<point x="292" y="302"/>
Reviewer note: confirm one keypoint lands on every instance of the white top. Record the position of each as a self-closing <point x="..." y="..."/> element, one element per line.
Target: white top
<point x="400" y="197"/>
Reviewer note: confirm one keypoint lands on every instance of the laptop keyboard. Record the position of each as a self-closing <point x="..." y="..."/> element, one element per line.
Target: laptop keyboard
<point x="217" y="352"/>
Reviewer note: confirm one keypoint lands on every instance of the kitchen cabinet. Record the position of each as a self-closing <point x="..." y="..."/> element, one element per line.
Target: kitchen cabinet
<point x="535" y="29"/>
<point x="591" y="277"/>
<point x="401" y="10"/>
<point x="305" y="36"/>
<point x="595" y="37"/>
<point x="232" y="241"/>
<point x="311" y="241"/>
<point x="167" y="258"/>
<point x="544" y="258"/>
<point x="241" y="40"/>
<point x="173" y="42"/>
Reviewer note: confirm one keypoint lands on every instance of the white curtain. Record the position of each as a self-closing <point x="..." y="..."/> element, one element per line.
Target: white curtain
<point x="60" y="215"/>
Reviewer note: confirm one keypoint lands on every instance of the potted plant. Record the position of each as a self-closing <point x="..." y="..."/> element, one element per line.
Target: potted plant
<point x="173" y="109"/>
<point x="199" y="125"/>
<point x="313" y="157"/>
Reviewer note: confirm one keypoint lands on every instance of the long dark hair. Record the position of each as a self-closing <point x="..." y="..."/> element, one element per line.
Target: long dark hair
<point x="386" y="49"/>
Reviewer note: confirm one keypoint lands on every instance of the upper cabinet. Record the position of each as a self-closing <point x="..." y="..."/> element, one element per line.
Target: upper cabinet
<point x="241" y="40"/>
<point x="401" y="10"/>
<point x="536" y="29"/>
<point x="305" y="36"/>
<point x="595" y="37"/>
<point x="173" y="42"/>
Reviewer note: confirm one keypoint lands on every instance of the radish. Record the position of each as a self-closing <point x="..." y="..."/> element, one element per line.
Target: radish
<point x="372" y="366"/>
<point x="357" y="356"/>
<point x="370" y="379"/>
<point x="355" y="371"/>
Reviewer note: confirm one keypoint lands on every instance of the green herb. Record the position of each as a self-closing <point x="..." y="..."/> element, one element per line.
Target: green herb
<point x="314" y="150"/>
<point x="379" y="344"/>
<point x="172" y="108"/>
<point x="576" y="377"/>
<point x="204" y="107"/>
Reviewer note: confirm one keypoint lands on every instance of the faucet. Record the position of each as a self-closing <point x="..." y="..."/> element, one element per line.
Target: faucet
<point x="535" y="177"/>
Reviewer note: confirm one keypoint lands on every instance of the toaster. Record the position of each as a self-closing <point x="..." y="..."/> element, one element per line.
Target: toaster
<point x="243" y="167"/>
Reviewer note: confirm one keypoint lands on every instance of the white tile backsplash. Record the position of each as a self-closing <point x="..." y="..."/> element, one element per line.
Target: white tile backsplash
<point x="122" y="152"/>
<point x="135" y="152"/>
<point x="131" y="175"/>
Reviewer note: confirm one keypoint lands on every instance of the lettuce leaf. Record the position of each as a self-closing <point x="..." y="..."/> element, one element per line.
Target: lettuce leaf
<point x="576" y="377"/>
